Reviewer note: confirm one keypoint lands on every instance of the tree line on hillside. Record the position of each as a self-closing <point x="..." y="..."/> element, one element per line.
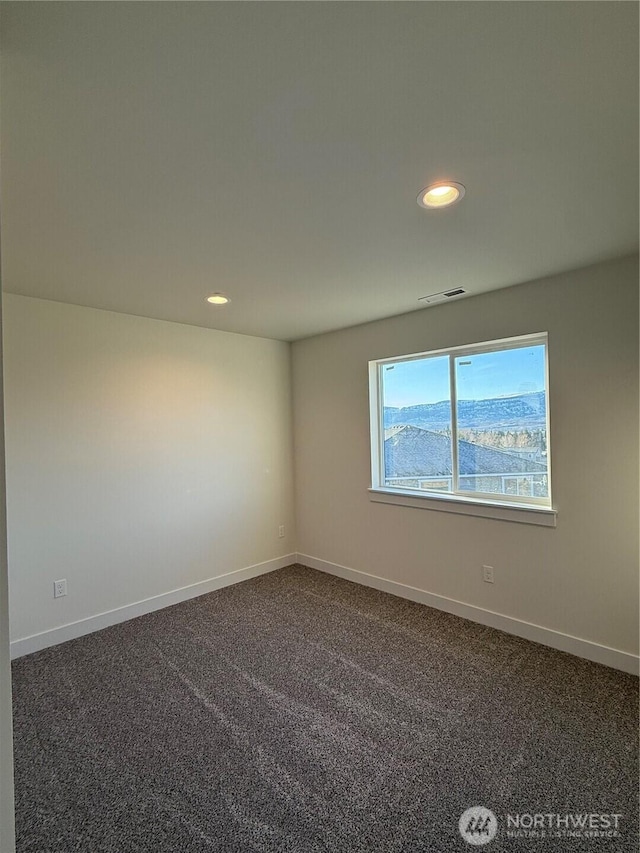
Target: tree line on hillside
<point x="510" y="439"/>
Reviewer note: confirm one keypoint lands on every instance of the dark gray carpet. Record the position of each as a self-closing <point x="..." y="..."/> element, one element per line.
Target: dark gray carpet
<point x="297" y="712"/>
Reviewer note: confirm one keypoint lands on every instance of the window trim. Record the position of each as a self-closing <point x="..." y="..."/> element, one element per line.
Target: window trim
<point x="522" y="513"/>
<point x="537" y="510"/>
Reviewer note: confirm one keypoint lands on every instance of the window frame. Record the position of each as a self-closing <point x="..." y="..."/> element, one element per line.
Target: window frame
<point x="533" y="510"/>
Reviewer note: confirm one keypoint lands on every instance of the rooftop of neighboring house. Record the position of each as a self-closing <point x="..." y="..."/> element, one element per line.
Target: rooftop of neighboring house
<point x="413" y="452"/>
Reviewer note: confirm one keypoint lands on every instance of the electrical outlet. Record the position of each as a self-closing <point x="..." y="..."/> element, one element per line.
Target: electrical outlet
<point x="281" y="532"/>
<point x="487" y="574"/>
<point x="60" y="588"/>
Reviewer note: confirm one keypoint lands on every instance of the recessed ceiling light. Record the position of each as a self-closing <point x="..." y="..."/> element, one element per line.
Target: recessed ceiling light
<point x="218" y="299"/>
<point x="441" y="194"/>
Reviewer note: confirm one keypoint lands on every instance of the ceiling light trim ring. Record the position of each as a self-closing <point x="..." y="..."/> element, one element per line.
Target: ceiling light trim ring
<point x="439" y="199"/>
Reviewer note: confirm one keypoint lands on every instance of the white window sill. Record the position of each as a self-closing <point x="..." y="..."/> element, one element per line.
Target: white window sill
<point x="540" y="515"/>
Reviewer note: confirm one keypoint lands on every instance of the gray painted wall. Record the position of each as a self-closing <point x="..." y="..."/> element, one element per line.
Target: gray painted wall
<point x="142" y="457"/>
<point x="580" y="578"/>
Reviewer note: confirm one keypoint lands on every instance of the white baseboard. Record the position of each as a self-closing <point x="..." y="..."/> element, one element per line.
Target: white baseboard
<point x="546" y="636"/>
<point x="36" y="642"/>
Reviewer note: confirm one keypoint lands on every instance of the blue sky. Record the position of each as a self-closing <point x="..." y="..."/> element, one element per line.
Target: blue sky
<point x="492" y="374"/>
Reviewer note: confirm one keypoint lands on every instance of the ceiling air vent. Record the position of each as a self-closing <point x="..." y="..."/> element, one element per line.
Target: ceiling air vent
<point x="444" y="296"/>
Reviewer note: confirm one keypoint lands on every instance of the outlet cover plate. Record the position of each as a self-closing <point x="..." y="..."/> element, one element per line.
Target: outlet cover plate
<point x="487" y="574"/>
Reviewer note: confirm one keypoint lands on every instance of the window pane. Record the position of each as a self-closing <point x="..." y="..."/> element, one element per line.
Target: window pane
<point x="417" y="424"/>
<point x="502" y="422"/>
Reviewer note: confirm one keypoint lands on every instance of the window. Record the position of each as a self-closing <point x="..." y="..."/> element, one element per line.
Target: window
<point x="466" y="424"/>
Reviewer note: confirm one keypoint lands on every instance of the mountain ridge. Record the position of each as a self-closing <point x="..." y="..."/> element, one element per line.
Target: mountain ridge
<point x="518" y="410"/>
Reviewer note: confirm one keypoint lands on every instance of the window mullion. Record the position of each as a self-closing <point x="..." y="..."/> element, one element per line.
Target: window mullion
<point x="454" y="423"/>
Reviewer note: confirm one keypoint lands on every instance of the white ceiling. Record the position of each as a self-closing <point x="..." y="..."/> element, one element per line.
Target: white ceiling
<point x="153" y="153"/>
